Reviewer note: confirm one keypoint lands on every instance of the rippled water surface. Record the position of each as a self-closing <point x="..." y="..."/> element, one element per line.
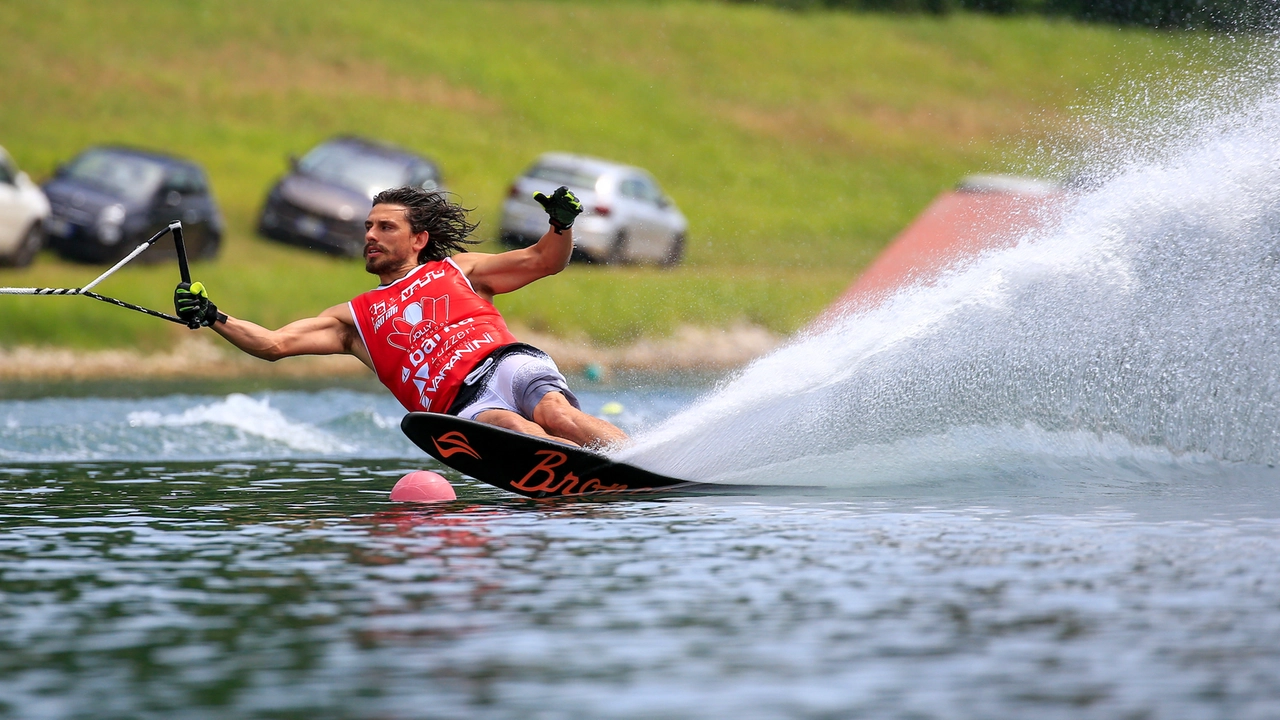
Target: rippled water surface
<point x="283" y="583"/>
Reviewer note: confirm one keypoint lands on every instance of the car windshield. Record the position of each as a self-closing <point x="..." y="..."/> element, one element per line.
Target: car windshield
<point x="127" y="176"/>
<point x="560" y="175"/>
<point x="351" y="167"/>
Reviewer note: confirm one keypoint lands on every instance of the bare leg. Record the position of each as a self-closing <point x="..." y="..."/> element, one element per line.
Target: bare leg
<point x="512" y="421"/>
<point x="555" y="415"/>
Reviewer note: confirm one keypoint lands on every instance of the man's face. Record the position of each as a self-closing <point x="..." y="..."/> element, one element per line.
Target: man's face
<point x="389" y="242"/>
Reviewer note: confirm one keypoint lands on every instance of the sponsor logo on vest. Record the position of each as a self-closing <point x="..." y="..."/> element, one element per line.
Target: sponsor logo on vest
<point x="380" y="313"/>
<point x="413" y="325"/>
<point x="542" y="478"/>
<point x="466" y="349"/>
<point x="454" y="442"/>
<point x="420" y="282"/>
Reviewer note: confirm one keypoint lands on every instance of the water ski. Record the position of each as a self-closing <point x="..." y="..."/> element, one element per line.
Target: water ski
<point x="527" y="465"/>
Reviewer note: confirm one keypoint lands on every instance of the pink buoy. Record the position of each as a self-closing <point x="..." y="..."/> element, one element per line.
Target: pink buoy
<point x="422" y="486"/>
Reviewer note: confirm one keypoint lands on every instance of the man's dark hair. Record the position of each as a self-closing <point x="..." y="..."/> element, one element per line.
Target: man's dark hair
<point x="445" y="222"/>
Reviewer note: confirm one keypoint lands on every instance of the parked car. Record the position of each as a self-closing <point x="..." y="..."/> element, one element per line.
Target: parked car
<point x="626" y="217"/>
<point x="23" y="211"/>
<point x="108" y="199"/>
<point x="323" y="202"/>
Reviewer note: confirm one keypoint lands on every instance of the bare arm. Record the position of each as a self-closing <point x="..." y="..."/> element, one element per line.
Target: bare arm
<point x="333" y="332"/>
<point x="494" y="274"/>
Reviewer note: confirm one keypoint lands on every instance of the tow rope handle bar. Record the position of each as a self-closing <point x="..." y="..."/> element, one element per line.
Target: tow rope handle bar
<point x="183" y="270"/>
<point x="174" y="227"/>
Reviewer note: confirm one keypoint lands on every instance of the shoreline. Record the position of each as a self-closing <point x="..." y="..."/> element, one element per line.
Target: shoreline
<point x="688" y="349"/>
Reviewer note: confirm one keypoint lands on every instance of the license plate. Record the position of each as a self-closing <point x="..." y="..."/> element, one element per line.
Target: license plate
<point x="58" y="226"/>
<point x="310" y="227"/>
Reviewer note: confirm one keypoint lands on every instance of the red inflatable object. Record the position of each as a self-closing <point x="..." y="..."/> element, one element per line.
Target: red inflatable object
<point x="984" y="213"/>
<point x="422" y="486"/>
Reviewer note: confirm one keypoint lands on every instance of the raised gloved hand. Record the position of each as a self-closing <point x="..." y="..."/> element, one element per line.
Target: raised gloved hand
<point x="562" y="207"/>
<point x="191" y="301"/>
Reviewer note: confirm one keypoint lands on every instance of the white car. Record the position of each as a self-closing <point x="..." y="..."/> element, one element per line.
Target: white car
<point x="626" y="217"/>
<point x="23" y="211"/>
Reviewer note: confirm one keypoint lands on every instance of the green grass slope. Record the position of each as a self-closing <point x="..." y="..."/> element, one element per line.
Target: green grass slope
<point x="797" y="144"/>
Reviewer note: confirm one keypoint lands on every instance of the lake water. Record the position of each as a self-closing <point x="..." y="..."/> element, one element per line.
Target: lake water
<point x="224" y="555"/>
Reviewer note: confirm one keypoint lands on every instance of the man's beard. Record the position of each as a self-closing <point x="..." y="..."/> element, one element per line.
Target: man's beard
<point x="379" y="263"/>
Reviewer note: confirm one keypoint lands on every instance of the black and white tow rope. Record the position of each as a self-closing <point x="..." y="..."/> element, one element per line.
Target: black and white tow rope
<point x="87" y="291"/>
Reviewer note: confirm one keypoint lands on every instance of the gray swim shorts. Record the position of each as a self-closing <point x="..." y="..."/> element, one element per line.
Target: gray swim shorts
<point x="515" y="381"/>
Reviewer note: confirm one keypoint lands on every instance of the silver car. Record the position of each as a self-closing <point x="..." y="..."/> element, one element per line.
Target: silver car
<point x="626" y="217"/>
<point x="23" y="211"/>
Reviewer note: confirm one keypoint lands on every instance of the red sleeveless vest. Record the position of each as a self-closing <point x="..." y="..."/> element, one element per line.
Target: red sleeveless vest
<point x="426" y="331"/>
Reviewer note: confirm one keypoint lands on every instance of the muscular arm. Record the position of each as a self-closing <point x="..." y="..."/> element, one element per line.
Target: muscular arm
<point x="504" y="272"/>
<point x="333" y="332"/>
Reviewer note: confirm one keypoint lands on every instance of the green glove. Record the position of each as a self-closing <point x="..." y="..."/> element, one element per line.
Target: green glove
<point x="191" y="301"/>
<point x="562" y="207"/>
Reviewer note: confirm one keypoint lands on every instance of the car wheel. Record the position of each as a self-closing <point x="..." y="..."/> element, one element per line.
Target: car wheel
<point x="618" y="250"/>
<point x="674" y="253"/>
<point x="26" y="251"/>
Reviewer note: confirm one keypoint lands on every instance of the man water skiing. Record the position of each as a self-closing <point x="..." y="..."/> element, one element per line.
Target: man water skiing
<point x="430" y="331"/>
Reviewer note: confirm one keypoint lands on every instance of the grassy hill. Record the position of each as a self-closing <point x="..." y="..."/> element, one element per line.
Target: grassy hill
<point x="798" y="144"/>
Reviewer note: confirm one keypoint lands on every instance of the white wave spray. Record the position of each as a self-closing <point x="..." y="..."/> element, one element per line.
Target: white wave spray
<point x="249" y="418"/>
<point x="1144" y="327"/>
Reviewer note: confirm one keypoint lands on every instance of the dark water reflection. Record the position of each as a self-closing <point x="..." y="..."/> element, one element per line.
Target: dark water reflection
<point x="294" y="589"/>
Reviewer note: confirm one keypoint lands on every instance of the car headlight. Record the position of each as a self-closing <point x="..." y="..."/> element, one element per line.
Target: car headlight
<point x="109" y="221"/>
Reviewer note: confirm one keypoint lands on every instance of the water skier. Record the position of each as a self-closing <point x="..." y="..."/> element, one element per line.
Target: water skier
<point x="430" y="331"/>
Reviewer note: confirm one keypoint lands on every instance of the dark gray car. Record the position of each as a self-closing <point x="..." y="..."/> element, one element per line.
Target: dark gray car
<point x="323" y="202"/>
<point x="106" y="200"/>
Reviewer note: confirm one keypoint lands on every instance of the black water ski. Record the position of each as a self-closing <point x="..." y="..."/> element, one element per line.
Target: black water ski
<point x="527" y="465"/>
